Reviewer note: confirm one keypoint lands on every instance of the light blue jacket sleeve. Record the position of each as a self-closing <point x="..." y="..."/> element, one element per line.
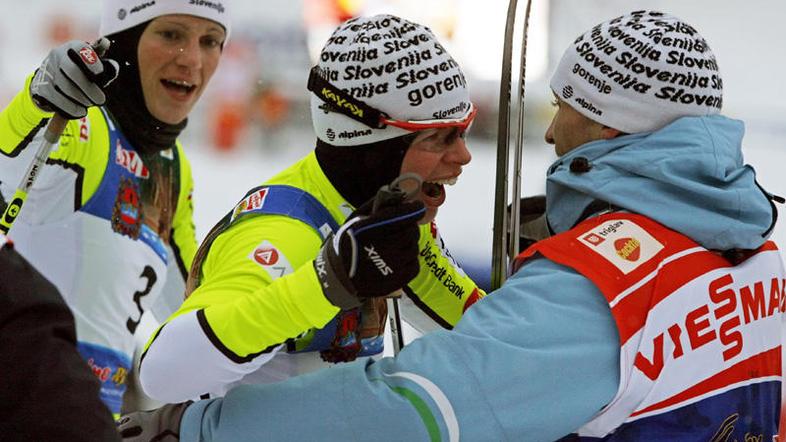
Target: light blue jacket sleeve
<point x="532" y="361"/>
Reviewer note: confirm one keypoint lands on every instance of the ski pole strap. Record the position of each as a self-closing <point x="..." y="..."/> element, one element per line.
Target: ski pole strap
<point x="340" y="101"/>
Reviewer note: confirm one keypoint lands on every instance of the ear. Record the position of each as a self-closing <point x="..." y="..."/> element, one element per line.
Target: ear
<point x="608" y="133"/>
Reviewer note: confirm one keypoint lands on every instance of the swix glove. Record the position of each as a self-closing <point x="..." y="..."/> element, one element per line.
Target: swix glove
<point x="71" y="79"/>
<point x="373" y="254"/>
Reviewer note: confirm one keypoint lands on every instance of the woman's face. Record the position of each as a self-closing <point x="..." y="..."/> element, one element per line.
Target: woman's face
<point x="177" y="56"/>
<point x="437" y="156"/>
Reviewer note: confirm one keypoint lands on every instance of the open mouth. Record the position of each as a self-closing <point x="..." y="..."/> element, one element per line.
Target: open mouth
<point x="435" y="190"/>
<point x="178" y="86"/>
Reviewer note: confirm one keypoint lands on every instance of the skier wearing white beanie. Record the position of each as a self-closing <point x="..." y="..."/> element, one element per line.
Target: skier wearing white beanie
<point x="380" y="81"/>
<point x="114" y="200"/>
<point x="119" y="15"/>
<point x="639" y="72"/>
<point x="317" y="239"/>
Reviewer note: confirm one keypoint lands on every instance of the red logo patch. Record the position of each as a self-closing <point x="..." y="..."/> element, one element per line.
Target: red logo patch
<point x="628" y="248"/>
<point x="266" y="256"/>
<point x="127" y="210"/>
<point x="88" y="55"/>
<point x="251" y="202"/>
<point x="84" y="129"/>
<point x="130" y="161"/>
<point x="594" y="239"/>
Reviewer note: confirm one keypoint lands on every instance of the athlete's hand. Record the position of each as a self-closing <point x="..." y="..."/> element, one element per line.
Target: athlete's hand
<point x="373" y="254"/>
<point x="71" y="79"/>
<point x="161" y="424"/>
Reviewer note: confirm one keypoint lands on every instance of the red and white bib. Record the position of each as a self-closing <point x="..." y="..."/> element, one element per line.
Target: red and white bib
<point x="700" y="337"/>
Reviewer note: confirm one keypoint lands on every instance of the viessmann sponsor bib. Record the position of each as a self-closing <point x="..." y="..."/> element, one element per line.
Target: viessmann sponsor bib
<point x="700" y="337"/>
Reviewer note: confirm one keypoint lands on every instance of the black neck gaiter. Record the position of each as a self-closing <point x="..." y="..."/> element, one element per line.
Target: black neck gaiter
<point x="126" y="102"/>
<point x="357" y="172"/>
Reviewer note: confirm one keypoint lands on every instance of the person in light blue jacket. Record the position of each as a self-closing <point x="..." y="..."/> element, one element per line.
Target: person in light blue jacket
<point x="641" y="142"/>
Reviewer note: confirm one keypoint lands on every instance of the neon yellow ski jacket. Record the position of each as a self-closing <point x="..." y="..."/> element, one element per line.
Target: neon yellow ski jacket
<point x="258" y="296"/>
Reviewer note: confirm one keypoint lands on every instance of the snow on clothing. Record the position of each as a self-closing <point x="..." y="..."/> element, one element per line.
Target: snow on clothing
<point x="85" y="225"/>
<point x="255" y="315"/>
<point x="540" y="357"/>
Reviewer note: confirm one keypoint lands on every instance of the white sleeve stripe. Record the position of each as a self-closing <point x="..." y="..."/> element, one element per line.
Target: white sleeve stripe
<point x="442" y="401"/>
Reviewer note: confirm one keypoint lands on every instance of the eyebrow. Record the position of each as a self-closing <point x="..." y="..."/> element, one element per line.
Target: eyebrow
<point x="426" y="133"/>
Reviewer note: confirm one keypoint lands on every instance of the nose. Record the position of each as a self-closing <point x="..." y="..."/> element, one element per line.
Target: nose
<point x="549" y="137"/>
<point x="189" y="54"/>
<point x="459" y="152"/>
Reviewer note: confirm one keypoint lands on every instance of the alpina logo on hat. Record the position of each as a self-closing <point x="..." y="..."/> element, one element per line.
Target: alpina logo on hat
<point x="392" y="65"/>
<point x="119" y="15"/>
<point x="639" y="72"/>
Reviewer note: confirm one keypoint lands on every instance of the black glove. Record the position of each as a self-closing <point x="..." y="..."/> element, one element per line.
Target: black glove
<point x="71" y="77"/>
<point x="161" y="424"/>
<point x="374" y="253"/>
<point x="533" y="226"/>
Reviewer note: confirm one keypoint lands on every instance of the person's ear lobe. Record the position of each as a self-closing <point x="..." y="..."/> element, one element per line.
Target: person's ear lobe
<point x="608" y="133"/>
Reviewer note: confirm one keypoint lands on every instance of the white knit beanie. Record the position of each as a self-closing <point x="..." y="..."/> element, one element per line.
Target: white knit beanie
<point x="119" y="15"/>
<point x="390" y="64"/>
<point x="639" y="72"/>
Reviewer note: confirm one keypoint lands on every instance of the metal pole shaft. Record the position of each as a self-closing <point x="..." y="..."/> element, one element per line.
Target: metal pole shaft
<point x="499" y="244"/>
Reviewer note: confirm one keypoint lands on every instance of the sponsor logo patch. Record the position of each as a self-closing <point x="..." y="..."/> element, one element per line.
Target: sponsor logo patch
<point x="84" y="129"/>
<point x="141" y="6"/>
<point x="130" y="161"/>
<point x="218" y="6"/>
<point x="252" y="202"/>
<point x="623" y="243"/>
<point x="628" y="249"/>
<point x="110" y="367"/>
<point x="594" y="239"/>
<point x="88" y="55"/>
<point x="127" y="210"/>
<point x="266" y="256"/>
<point x="271" y="260"/>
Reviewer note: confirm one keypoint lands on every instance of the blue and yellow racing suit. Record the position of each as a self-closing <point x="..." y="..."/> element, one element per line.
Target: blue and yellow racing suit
<point x="257" y="313"/>
<point x="88" y="227"/>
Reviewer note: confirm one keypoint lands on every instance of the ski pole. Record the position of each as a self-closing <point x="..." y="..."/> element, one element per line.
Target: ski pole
<point x="506" y="224"/>
<point x="54" y="129"/>
<point x="401" y="189"/>
<point x="515" y="209"/>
